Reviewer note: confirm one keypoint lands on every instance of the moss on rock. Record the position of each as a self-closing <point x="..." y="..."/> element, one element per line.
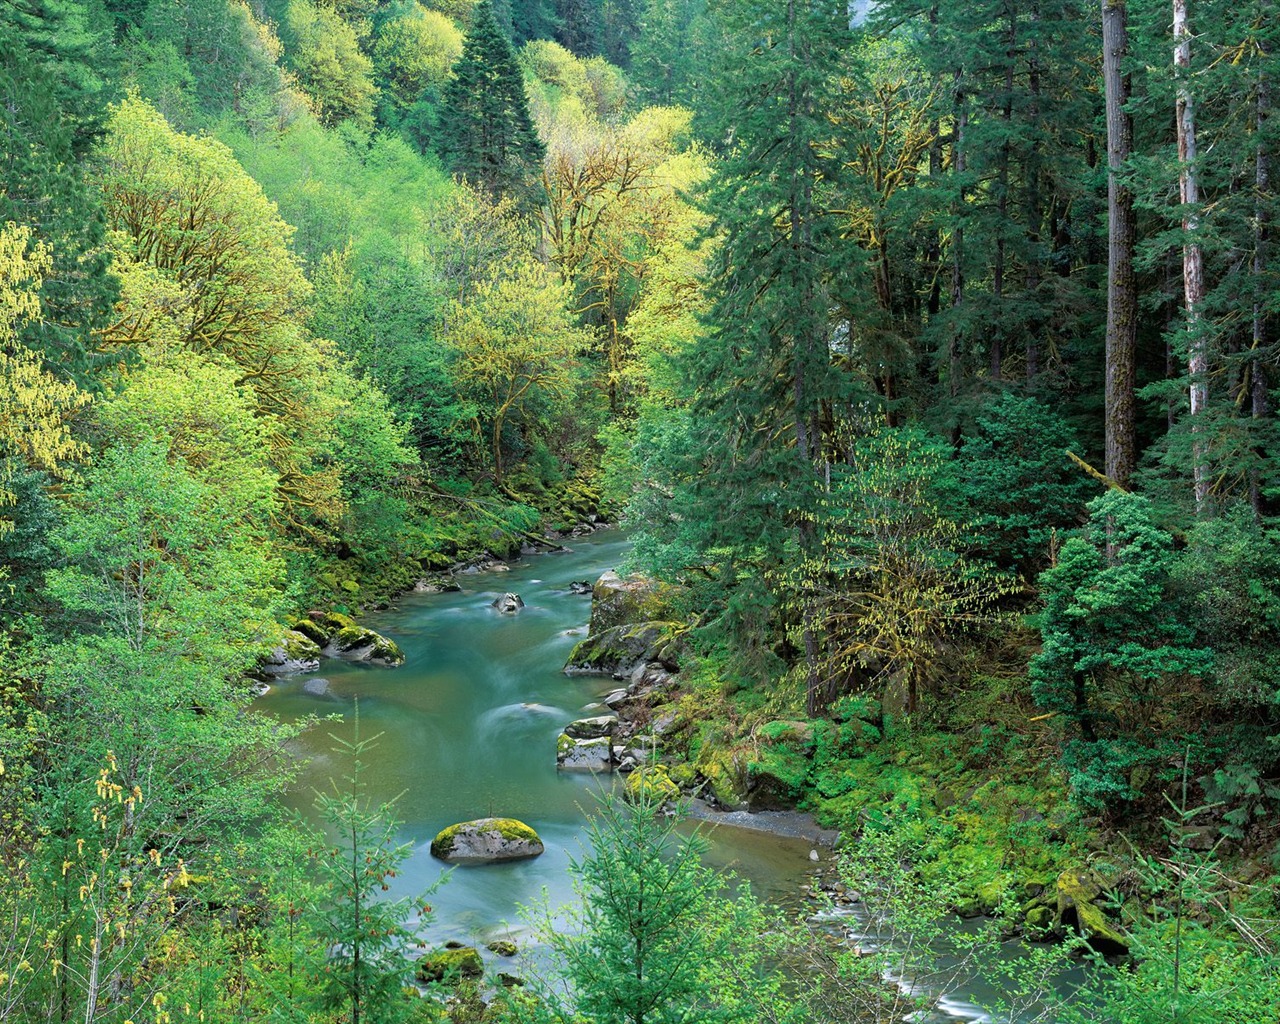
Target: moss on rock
<point x="313" y="631"/>
<point x="1077" y="890"/>
<point x="450" y="966"/>
<point x="335" y="622"/>
<point x="487" y="839"/>
<point x="652" y="783"/>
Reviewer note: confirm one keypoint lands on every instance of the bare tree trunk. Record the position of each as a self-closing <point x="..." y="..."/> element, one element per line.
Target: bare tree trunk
<point x="1122" y="292"/>
<point x="1192" y="255"/>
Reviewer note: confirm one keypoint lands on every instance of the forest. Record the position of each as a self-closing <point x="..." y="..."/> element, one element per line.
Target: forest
<point x="928" y="352"/>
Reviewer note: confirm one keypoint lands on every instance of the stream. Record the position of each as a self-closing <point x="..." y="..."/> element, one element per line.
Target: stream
<point x="467" y="729"/>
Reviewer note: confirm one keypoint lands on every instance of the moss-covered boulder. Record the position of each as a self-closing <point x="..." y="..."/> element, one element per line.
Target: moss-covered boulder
<point x="592" y="728"/>
<point x="450" y="966"/>
<point x="315" y="632"/>
<point x="294" y="653"/>
<point x="334" y="622"/>
<point x="1079" y="891"/>
<point x="487" y="840"/>
<point x="776" y="778"/>
<point x="503" y="947"/>
<point x="651" y="783"/>
<point x="621" y="650"/>
<point x="585" y="755"/>
<point x="355" y="643"/>
<point x="722" y="771"/>
<point x="616" y="601"/>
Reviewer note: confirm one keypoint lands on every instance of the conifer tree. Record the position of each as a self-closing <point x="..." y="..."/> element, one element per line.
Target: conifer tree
<point x="486" y="134"/>
<point x="765" y="372"/>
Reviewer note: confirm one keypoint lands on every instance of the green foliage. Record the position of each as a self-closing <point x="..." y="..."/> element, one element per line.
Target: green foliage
<point x="485" y="132"/>
<point x="368" y="937"/>
<point x="889" y="581"/>
<point x="1015" y="477"/>
<point x="1116" y="648"/>
<point x="654" y="938"/>
<point x="51" y="110"/>
<point x="331" y="67"/>
<point x="414" y="58"/>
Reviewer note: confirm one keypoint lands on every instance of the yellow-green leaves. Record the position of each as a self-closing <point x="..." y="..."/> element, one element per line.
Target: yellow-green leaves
<point x="515" y="343"/>
<point x="33" y="413"/>
<point x="416" y="51"/>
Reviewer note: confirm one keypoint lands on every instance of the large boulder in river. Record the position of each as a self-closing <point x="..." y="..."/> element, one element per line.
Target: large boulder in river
<point x="355" y="643"/>
<point x="507" y="604"/>
<point x="487" y="840"/>
<point x="295" y="653"/>
<point x="621" y="650"/>
<point x="620" y="602"/>
<point x="592" y="728"/>
<point x="583" y="755"/>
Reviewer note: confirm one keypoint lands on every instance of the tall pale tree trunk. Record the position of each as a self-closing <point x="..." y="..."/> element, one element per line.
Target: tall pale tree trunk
<point x="1192" y="254"/>
<point x="1122" y="291"/>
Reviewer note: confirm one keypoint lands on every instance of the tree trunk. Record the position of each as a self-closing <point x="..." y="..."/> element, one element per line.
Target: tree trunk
<point x="1122" y="292"/>
<point x="1192" y="256"/>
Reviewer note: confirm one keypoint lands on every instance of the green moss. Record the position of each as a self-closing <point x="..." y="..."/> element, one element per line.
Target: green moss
<point x="299" y="647"/>
<point x="652" y="783"/>
<point x="564" y="744"/>
<point x="450" y="966"/>
<point x="503" y="947"/>
<point x="509" y="828"/>
<point x="314" y="632"/>
<point x="337" y="621"/>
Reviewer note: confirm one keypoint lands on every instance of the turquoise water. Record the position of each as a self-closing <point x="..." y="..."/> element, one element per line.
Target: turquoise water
<point x="468" y="727"/>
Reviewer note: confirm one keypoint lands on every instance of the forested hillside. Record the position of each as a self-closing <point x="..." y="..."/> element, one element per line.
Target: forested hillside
<point x="930" y="354"/>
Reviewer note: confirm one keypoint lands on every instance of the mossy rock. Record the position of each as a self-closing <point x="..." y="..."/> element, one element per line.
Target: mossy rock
<point x="595" y="755"/>
<point x="775" y="780"/>
<point x="355" y="643"/>
<point x="486" y="840"/>
<point x="450" y="966"/>
<point x="616" y="601"/>
<point x="503" y="947"/>
<point x="1077" y="890"/>
<point x="621" y="650"/>
<point x="335" y="622"/>
<point x="298" y="646"/>
<point x="592" y="728"/>
<point x="724" y="776"/>
<point x="313" y="631"/>
<point x="651" y="783"/>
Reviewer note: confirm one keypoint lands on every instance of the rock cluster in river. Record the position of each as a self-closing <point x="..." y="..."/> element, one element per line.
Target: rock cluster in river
<point x="327" y="635"/>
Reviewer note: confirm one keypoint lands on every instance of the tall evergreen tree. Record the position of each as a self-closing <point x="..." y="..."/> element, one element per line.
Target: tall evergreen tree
<point x="766" y="371"/>
<point x="486" y="134"/>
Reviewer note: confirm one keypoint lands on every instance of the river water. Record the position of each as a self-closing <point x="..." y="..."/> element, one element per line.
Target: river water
<point x="467" y="729"/>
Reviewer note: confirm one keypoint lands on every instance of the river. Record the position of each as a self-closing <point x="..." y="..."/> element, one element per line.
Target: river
<point x="467" y="729"/>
